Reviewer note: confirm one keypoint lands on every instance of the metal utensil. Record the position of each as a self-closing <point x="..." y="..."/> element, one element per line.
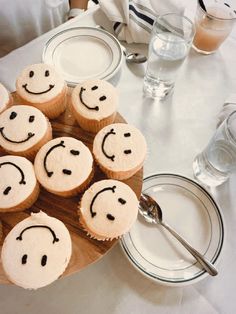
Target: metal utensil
<point x="152" y="213"/>
<point x="131" y="57"/>
<point x="134" y="57"/>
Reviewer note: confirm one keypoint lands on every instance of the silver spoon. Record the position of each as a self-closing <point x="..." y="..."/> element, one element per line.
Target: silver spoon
<point x="134" y="57"/>
<point x="152" y="213"/>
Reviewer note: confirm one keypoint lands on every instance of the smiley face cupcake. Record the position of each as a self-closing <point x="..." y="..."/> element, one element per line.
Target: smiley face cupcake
<point x="5" y="98"/>
<point x="64" y="166"/>
<point x="120" y="150"/>
<point x="108" y="209"/>
<point x="19" y="188"/>
<point x="23" y="130"/>
<point x="94" y="104"/>
<point x="39" y="85"/>
<point x="36" y="251"/>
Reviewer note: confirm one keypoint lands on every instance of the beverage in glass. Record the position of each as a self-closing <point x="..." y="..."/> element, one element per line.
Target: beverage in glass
<point x="169" y="45"/>
<point x="217" y="161"/>
<point x="212" y="26"/>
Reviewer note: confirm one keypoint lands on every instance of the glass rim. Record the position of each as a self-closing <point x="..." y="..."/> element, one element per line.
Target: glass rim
<point x="191" y="23"/>
<point x="233" y="136"/>
<point x="213" y="16"/>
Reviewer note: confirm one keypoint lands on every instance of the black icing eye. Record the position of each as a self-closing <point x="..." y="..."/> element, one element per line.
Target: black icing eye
<point x="24" y="259"/>
<point x="110" y="217"/>
<point x="102" y="98"/>
<point x="121" y="200"/>
<point x="94" y="87"/>
<point x="13" y="115"/>
<point x="46" y="73"/>
<point x="44" y="260"/>
<point x="7" y="190"/>
<point x="31" y="74"/>
<point x="66" y="171"/>
<point x="74" y="152"/>
<point x="31" y="119"/>
<point x="127" y="151"/>
<point x="127" y="134"/>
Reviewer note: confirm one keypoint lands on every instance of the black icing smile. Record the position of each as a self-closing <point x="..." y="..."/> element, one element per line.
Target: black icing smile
<point x="82" y="101"/>
<point x="103" y="144"/>
<point x="39" y="93"/>
<point x="13" y="141"/>
<point x="108" y="216"/>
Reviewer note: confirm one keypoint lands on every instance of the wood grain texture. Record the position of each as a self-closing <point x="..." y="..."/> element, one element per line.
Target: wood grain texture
<point x="85" y="249"/>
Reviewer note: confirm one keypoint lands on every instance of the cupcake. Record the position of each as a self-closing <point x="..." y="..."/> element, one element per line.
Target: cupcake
<point x="23" y="130"/>
<point x="18" y="185"/>
<point x="5" y="98"/>
<point x="36" y="251"/>
<point x="94" y="104"/>
<point x="1" y="231"/>
<point x="120" y="150"/>
<point x="64" y="166"/>
<point x="108" y="209"/>
<point x="39" y="85"/>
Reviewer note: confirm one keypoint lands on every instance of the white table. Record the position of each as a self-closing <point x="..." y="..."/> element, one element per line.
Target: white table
<point x="176" y="130"/>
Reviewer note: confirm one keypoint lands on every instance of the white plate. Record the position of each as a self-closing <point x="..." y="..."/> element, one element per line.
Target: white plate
<point x="192" y="212"/>
<point x="83" y="53"/>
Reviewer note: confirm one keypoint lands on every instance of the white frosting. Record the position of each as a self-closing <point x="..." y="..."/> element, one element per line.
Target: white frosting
<point x="35" y="243"/>
<point x="107" y="202"/>
<point x="10" y="176"/>
<point x="61" y="158"/>
<point x="17" y="129"/>
<point x="37" y="82"/>
<point x="97" y="93"/>
<point x="116" y="145"/>
<point x="4" y="97"/>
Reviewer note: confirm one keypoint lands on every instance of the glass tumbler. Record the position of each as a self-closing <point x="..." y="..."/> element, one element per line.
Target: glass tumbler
<point x="217" y="161"/>
<point x="171" y="38"/>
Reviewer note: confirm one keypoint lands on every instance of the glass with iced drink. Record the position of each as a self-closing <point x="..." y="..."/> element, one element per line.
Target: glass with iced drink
<point x="212" y="26"/>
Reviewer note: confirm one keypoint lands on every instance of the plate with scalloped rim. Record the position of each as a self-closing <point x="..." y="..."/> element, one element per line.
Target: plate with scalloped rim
<point x="194" y="214"/>
<point x="83" y="53"/>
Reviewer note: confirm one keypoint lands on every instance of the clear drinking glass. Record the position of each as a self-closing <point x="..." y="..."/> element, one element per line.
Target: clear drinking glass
<point x="171" y="38"/>
<point x="217" y="161"/>
<point x="213" y="25"/>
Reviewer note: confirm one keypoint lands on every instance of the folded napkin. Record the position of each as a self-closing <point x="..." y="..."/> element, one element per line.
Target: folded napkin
<point x="133" y="19"/>
<point x="228" y="107"/>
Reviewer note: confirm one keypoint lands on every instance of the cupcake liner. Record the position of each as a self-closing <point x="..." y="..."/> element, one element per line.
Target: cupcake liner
<point x="92" y="125"/>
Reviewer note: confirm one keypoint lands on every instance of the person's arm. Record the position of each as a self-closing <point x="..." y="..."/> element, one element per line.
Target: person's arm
<point x="78" y="4"/>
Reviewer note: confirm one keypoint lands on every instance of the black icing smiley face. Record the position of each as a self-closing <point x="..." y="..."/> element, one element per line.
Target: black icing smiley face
<point x="39" y="82"/>
<point x="120" y="145"/>
<point x="95" y="97"/>
<point x="62" y="163"/>
<point x="21" y="127"/>
<point x="39" y="249"/>
<point x="109" y="208"/>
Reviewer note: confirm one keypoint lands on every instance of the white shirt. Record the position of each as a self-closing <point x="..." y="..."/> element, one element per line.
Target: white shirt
<point x="23" y="20"/>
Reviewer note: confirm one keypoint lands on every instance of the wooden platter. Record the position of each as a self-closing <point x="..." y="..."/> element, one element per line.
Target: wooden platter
<point x="85" y="249"/>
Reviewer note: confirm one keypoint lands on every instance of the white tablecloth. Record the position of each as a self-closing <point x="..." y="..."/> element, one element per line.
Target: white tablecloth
<point x="176" y="130"/>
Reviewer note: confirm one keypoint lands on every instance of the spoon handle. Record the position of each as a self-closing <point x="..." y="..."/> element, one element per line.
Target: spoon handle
<point x="208" y="266"/>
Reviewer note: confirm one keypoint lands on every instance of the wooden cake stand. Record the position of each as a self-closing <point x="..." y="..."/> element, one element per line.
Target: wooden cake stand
<point x="85" y="249"/>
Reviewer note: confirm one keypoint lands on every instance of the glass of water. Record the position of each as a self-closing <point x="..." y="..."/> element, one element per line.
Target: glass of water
<point x="217" y="161"/>
<point x="171" y="39"/>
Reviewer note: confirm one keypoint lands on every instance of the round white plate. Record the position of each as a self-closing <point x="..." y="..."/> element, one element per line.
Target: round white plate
<point x="193" y="213"/>
<point x="83" y="53"/>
